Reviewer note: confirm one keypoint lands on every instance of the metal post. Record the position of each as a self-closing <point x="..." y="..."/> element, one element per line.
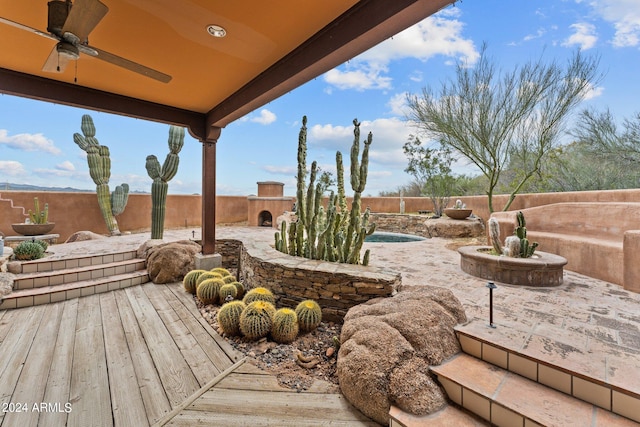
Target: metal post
<point x="491" y="287"/>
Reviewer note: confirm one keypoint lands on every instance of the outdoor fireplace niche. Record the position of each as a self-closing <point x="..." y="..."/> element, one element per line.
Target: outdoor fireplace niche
<point x="265" y="219"/>
<point x="265" y="208"/>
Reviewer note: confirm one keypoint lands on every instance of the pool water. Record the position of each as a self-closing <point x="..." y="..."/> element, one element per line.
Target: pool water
<point x="382" y="237"/>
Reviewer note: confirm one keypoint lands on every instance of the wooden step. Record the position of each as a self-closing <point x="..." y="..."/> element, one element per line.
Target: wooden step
<point x="70" y="275"/>
<point x="65" y="291"/>
<point x="585" y="376"/>
<point x="507" y="399"/>
<point x="52" y="263"/>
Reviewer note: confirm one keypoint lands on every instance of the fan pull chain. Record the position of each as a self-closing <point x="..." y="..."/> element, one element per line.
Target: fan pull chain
<point x="75" y="77"/>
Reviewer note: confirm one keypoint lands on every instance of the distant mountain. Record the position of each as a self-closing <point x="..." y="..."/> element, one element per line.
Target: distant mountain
<point x="26" y="187"/>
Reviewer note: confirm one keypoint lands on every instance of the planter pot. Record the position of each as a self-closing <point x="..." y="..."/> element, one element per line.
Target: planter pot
<point x="457" y="213"/>
<point x="542" y="270"/>
<point x="33" y="229"/>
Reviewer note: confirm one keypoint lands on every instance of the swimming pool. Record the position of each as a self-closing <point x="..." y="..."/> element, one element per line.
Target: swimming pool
<point x="383" y="237"/>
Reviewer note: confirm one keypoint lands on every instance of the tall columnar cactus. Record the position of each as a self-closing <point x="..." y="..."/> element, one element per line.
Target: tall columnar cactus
<point x="100" y="170"/>
<point x="335" y="233"/>
<point x="161" y="178"/>
<point x="526" y="248"/>
<point x="39" y="216"/>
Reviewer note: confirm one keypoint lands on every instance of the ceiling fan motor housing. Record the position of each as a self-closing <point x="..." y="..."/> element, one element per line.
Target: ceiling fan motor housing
<point x="58" y="12"/>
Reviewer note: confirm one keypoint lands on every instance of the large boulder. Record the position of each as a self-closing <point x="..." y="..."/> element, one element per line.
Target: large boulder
<point x="169" y="262"/>
<point x="81" y="236"/>
<point x="387" y="345"/>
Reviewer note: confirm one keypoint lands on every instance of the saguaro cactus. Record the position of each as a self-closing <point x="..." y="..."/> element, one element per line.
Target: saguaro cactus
<point x="100" y="170"/>
<point x="161" y="178"/>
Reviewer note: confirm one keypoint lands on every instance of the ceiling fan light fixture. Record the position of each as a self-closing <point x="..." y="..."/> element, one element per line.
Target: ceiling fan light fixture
<point x="216" y="31"/>
<point x="68" y="50"/>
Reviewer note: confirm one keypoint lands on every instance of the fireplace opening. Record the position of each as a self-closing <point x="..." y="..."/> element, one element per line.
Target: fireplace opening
<point x="265" y="219"/>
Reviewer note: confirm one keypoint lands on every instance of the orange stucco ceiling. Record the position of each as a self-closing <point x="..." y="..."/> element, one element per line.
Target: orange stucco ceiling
<point x="208" y="74"/>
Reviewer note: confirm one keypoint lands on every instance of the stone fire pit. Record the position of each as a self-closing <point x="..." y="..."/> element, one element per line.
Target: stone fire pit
<point x="543" y="269"/>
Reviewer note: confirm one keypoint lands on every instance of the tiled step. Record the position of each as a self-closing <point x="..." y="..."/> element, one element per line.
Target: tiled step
<point x="507" y="399"/>
<point x="70" y="275"/>
<point x="49" y="264"/>
<point x="567" y="370"/>
<point x="448" y="417"/>
<point x="49" y="294"/>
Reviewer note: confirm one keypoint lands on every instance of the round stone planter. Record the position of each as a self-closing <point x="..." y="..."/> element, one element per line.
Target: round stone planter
<point x="543" y="269"/>
<point x="457" y="213"/>
<point x="33" y="229"/>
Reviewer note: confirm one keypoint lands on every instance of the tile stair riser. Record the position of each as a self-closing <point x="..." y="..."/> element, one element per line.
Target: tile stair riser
<point x="44" y="264"/>
<point x="46" y="295"/>
<point x="590" y="390"/>
<point x="58" y="277"/>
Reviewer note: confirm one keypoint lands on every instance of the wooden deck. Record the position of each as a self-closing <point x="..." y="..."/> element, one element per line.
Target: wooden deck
<point x="141" y="356"/>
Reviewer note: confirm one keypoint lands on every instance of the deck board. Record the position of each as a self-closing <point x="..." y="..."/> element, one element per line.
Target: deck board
<point x="31" y="385"/>
<point x="89" y="379"/>
<point x="59" y="380"/>
<point x="200" y="364"/>
<point x="175" y="374"/>
<point x="153" y="394"/>
<point x="126" y="401"/>
<point x="15" y="349"/>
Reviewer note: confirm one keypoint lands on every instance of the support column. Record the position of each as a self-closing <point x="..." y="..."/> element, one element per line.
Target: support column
<point x="209" y="191"/>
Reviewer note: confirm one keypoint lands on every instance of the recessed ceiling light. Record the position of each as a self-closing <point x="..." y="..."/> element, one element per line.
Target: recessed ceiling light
<point x="216" y="31"/>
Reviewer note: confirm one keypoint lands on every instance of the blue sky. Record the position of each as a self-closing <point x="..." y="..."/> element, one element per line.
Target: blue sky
<point x="36" y="138"/>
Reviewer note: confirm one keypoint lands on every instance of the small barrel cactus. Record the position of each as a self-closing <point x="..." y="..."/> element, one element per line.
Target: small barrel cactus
<point x="190" y="280"/>
<point x="28" y="250"/>
<point x="206" y="275"/>
<point x="42" y="243"/>
<point x="285" y="326"/>
<point x="221" y="271"/>
<point x="239" y="288"/>
<point x="256" y="319"/>
<point x="229" y="317"/>
<point x="208" y="291"/>
<point x="229" y="279"/>
<point x="227" y="292"/>
<point x="309" y="315"/>
<point x="259" y="294"/>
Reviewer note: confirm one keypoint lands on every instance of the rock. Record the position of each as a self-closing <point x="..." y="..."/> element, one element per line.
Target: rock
<point x="169" y="262"/>
<point x="387" y="345"/>
<point x="80" y="236"/>
<point x="330" y="351"/>
<point x="287" y="217"/>
<point x="143" y="249"/>
<point x="6" y="284"/>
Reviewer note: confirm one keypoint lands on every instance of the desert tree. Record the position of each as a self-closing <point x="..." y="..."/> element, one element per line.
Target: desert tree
<point x="488" y="116"/>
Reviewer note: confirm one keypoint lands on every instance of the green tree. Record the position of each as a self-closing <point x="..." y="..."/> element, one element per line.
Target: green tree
<point x="431" y="168"/>
<point x="488" y="116"/>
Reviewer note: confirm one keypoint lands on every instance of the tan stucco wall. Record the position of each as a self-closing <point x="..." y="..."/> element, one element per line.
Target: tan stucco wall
<point x="80" y="211"/>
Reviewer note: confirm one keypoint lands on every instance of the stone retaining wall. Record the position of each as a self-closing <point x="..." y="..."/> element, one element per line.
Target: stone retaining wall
<point x="423" y="225"/>
<point x="336" y="287"/>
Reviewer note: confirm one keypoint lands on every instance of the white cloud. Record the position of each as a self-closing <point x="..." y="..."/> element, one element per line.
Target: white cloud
<point x="440" y="34"/>
<point x="593" y="92"/>
<point x="280" y="170"/>
<point x="625" y="17"/>
<point x="266" y="117"/>
<point x="584" y="36"/>
<point x="11" y="167"/>
<point x="28" y="142"/>
<point x="541" y="32"/>
<point x="66" y="166"/>
<point x="398" y="104"/>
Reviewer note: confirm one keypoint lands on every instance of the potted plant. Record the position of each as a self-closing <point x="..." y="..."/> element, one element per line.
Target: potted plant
<point x="458" y="211"/>
<point x="37" y="223"/>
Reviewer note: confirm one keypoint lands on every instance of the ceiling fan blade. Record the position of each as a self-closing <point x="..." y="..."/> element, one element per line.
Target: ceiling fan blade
<point x="131" y="66"/>
<point x="55" y="63"/>
<point x="83" y="18"/>
<point x="27" y="28"/>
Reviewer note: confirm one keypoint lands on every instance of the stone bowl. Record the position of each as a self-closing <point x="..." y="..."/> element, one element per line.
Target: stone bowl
<point x="457" y="213"/>
<point x="33" y="229"/>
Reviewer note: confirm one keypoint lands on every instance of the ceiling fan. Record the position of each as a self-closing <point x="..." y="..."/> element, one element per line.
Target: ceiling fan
<point x="69" y="25"/>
